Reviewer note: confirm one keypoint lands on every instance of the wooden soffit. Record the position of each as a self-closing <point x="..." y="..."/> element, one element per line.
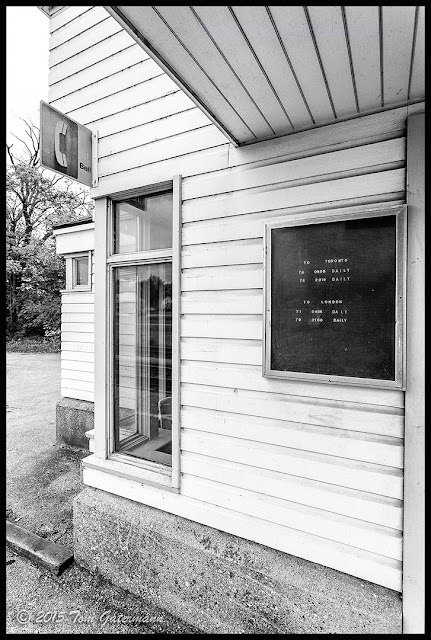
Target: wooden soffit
<point x="263" y="71"/>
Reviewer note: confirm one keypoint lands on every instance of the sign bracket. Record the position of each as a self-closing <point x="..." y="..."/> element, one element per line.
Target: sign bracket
<point x="94" y="159"/>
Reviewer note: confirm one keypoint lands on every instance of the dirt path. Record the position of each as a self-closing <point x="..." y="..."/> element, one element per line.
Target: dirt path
<point x="42" y="477"/>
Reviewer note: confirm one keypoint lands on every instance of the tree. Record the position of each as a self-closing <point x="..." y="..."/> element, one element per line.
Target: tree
<point x="36" y="199"/>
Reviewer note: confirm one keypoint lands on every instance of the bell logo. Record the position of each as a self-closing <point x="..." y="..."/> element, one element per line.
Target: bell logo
<point x="60" y="129"/>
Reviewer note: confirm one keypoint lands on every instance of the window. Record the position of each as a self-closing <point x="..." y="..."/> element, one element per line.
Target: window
<point x="141" y="277"/>
<point x="143" y="223"/>
<point x="78" y="271"/>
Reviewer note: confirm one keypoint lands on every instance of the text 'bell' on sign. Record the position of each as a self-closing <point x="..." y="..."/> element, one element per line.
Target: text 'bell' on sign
<point x="66" y="146"/>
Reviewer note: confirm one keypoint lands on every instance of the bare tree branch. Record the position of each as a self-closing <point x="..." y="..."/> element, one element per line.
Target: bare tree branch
<point x="9" y="151"/>
<point x="22" y="142"/>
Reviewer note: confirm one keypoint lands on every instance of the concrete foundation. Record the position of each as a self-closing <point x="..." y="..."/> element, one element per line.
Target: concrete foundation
<point x="73" y="419"/>
<point x="218" y="582"/>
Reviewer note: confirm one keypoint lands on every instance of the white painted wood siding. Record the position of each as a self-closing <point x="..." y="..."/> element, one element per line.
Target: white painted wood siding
<point x="77" y="343"/>
<point x="311" y="469"/>
<point x="101" y="78"/>
<point x="322" y="460"/>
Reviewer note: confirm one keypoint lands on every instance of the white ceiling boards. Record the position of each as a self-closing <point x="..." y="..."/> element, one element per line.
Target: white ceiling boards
<point x="264" y="71"/>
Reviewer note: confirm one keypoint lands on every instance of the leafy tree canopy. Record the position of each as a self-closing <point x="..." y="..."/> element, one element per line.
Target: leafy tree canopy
<point x="36" y="199"/>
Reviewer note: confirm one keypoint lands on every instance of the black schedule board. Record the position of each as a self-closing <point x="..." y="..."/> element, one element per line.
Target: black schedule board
<point x="333" y="294"/>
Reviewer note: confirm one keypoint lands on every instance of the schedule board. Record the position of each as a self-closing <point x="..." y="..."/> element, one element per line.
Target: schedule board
<point x="334" y="298"/>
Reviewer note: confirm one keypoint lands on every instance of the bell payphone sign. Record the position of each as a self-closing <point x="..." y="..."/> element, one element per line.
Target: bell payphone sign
<point x="66" y="145"/>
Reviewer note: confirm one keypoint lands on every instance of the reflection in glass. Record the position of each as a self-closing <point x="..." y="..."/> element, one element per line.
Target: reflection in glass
<point x="143" y="360"/>
<point x="143" y="223"/>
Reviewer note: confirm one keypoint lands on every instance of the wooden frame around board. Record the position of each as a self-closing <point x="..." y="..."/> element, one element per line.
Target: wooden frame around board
<point x="339" y="215"/>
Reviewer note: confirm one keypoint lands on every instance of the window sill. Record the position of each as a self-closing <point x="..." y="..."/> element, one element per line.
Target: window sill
<point x="75" y="289"/>
<point x="140" y="471"/>
<point x="148" y="451"/>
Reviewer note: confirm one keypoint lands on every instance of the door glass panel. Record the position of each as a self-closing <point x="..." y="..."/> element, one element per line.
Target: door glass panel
<point x="143" y="361"/>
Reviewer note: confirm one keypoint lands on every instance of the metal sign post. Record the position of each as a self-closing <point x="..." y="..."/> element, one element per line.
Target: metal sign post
<point x="67" y="146"/>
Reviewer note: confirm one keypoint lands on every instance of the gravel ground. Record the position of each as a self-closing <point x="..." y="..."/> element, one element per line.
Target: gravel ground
<point x="42" y="480"/>
<point x="77" y="602"/>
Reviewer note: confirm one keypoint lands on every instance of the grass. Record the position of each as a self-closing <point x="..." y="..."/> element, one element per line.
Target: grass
<point x="34" y="344"/>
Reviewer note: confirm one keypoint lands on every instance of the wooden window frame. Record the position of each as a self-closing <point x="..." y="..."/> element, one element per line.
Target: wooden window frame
<point x="338" y="215"/>
<point x="414" y="430"/>
<point x="105" y="457"/>
<point x="71" y="272"/>
<point x="81" y="287"/>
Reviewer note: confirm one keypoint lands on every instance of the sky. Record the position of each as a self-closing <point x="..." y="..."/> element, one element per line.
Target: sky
<point x="27" y="50"/>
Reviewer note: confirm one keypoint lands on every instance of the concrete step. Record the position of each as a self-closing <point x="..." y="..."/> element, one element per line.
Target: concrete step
<point x="41" y="551"/>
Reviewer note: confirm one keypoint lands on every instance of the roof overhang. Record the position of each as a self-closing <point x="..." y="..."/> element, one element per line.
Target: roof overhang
<point x="259" y="72"/>
<point x="74" y="238"/>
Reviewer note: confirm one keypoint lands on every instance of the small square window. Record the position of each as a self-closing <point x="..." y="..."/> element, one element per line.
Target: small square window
<point x="80" y="268"/>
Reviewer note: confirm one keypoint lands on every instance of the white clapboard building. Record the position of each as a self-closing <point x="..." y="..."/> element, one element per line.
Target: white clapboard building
<point x="243" y="319"/>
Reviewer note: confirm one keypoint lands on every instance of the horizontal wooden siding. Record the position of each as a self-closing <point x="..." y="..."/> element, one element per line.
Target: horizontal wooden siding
<point x="77" y="343"/>
<point x="103" y="79"/>
<point x="323" y="461"/>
